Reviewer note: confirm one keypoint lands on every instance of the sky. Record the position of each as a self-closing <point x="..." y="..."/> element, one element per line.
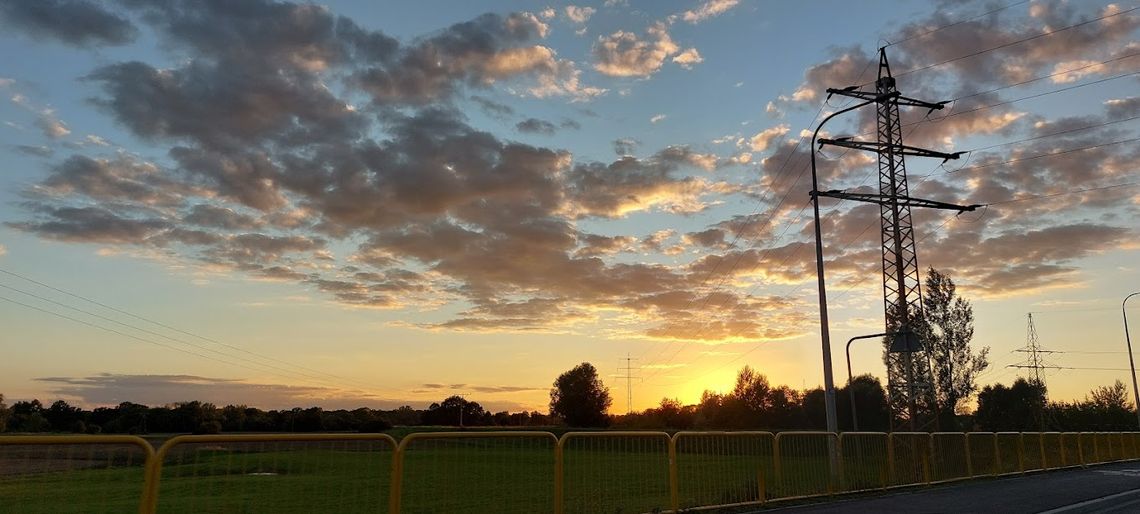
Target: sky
<point x="378" y="204"/>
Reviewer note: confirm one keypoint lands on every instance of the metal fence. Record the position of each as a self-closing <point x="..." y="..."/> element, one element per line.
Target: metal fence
<point x="511" y="471"/>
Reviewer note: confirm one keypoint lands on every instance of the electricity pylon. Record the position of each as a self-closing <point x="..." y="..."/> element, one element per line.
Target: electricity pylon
<point x="908" y="367"/>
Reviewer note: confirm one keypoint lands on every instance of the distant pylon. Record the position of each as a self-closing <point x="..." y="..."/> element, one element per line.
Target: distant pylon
<point x="1035" y="358"/>
<point x="628" y="375"/>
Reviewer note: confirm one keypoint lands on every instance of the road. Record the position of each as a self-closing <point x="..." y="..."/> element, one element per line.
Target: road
<point x="1111" y="488"/>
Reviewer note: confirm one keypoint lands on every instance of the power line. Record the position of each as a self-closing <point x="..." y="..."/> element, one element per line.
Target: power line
<point x="1064" y="193"/>
<point x="153" y="333"/>
<point x="1030" y="97"/>
<point x="1017" y="42"/>
<point x="739" y="257"/>
<point x="1049" y="76"/>
<point x="955" y="24"/>
<point x="1038" y="156"/>
<point x="1054" y="134"/>
<point x="168" y="327"/>
<point x="771" y="214"/>
<point x="142" y="339"/>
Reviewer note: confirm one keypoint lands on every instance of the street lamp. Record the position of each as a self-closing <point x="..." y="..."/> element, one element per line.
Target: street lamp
<point x="850" y="390"/>
<point x="828" y="379"/>
<point x="1131" y="364"/>
<point x="825" y="336"/>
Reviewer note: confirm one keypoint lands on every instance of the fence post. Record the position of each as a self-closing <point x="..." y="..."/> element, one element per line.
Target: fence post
<point x="969" y="457"/>
<point x="926" y="458"/>
<point x="891" y="458"/>
<point x="997" y="456"/>
<point x="674" y="494"/>
<point x="842" y="473"/>
<point x="397" y="483"/>
<point x="1041" y="442"/>
<point x="559" y="475"/>
<point x="1021" y="452"/>
<point x="1081" y="449"/>
<point x="776" y="458"/>
<point x="1096" y="446"/>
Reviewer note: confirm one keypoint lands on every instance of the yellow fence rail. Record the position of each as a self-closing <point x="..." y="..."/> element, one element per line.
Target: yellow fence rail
<point x="512" y="471"/>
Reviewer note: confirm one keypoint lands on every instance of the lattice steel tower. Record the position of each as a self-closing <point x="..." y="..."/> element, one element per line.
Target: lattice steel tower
<point x="908" y="369"/>
<point x="1035" y="355"/>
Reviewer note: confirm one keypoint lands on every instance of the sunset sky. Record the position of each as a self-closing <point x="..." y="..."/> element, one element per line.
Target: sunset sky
<point x="377" y="203"/>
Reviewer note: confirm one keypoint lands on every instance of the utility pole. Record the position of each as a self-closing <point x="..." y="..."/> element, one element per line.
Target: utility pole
<point x="628" y="375"/>
<point x="462" y="407"/>
<point x="902" y="295"/>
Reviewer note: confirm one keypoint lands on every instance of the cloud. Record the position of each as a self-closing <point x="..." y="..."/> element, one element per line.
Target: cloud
<point x="708" y="9"/>
<point x="121" y="179"/>
<point x="624" y="54"/>
<point x="625" y="146"/>
<point x="688" y="58"/>
<point x="536" y="126"/>
<point x="492" y="108"/>
<point x="379" y="192"/>
<point x="107" y="389"/>
<point x="35" y="151"/>
<point x="480" y="389"/>
<point x="78" y="23"/>
<point x="51" y="126"/>
<point x="764" y="138"/>
<point x="578" y="14"/>
<point x="630" y="185"/>
<point x="657" y="118"/>
<point x="597" y="245"/>
<point x="3" y="250"/>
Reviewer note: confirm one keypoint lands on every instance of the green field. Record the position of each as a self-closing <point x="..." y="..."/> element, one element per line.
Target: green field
<point x="606" y="474"/>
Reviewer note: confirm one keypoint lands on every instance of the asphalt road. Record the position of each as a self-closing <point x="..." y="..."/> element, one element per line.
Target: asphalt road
<point x="1111" y="488"/>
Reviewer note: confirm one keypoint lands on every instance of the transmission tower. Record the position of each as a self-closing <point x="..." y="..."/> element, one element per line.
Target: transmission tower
<point x="1035" y="356"/>
<point x="1036" y="366"/>
<point x="908" y="367"/>
<point x="628" y="375"/>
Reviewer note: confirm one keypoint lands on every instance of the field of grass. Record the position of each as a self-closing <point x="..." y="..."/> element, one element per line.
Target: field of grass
<point x="606" y="474"/>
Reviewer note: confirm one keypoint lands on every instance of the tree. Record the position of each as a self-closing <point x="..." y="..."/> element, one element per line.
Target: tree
<point x="455" y="411"/>
<point x="870" y="404"/>
<point x="64" y="418"/>
<point x="580" y="398"/>
<point x="5" y="413"/>
<point x="947" y="326"/>
<point x="1017" y="408"/>
<point x="752" y="389"/>
<point x="1114" y="397"/>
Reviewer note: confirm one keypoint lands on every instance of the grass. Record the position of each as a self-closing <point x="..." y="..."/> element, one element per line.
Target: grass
<point x="513" y="475"/>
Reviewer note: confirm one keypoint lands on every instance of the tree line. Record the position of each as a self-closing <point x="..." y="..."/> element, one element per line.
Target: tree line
<point x="579" y="399"/>
<point x="206" y="418"/>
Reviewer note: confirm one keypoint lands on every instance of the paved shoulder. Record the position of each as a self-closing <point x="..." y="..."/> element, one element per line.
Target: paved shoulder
<point x="1105" y="489"/>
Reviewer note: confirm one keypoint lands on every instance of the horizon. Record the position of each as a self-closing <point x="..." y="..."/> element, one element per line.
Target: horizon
<point x="346" y="204"/>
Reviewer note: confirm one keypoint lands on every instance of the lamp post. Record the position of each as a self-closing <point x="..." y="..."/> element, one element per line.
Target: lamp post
<point x="1131" y="364"/>
<point x="850" y="391"/>
<point x="828" y="379"/>
<point x="825" y="336"/>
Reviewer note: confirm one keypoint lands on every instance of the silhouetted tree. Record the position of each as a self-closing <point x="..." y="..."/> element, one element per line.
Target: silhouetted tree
<point x="946" y="327"/>
<point x="671" y="414"/>
<point x="870" y="404"/>
<point x="5" y="413"/>
<point x="580" y="398"/>
<point x="64" y="418"/>
<point x="1015" y="408"/>
<point x="456" y="411"/>
<point x="1111" y="397"/>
